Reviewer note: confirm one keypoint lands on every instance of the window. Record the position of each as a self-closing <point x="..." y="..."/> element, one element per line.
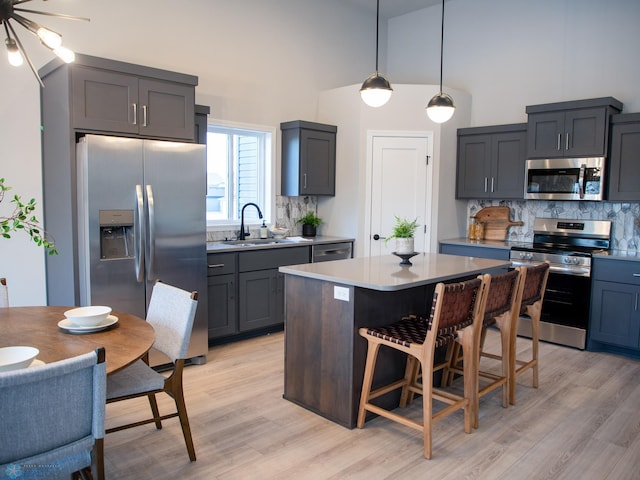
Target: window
<point x="239" y="171"/>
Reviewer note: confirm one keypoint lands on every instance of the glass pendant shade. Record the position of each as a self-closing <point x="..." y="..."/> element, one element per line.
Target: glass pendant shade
<point x="440" y="108"/>
<point x="376" y="90"/>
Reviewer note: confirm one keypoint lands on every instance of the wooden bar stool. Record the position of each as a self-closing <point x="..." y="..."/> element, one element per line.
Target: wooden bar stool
<point x="456" y="315"/>
<point x="534" y="284"/>
<point x="502" y="310"/>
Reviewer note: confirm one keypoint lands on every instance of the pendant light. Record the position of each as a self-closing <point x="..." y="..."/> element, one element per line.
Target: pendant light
<point x="441" y="107"/>
<point x="376" y="90"/>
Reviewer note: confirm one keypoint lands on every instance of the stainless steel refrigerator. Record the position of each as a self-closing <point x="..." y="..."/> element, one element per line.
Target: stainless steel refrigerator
<point x="141" y="217"/>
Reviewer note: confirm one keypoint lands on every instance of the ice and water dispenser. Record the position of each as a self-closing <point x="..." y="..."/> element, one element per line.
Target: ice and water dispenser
<point x="116" y="234"/>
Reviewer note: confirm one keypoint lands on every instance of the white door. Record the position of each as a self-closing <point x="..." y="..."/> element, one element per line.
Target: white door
<point x="400" y="186"/>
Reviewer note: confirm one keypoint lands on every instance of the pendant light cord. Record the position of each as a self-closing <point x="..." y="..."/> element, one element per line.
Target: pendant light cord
<point x="377" y="27"/>
<point x="441" y="45"/>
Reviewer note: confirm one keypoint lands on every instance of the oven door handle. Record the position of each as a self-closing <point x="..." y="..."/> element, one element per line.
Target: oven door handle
<point x="582" y="272"/>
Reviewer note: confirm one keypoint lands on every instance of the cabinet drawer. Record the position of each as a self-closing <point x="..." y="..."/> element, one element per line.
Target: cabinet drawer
<point x="221" y="264"/>
<point x="273" y="258"/>
<point x="620" y="271"/>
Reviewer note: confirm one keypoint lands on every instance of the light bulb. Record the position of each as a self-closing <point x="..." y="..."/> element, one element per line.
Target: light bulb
<point x="65" y="54"/>
<point x="14" y="55"/>
<point x="50" y="38"/>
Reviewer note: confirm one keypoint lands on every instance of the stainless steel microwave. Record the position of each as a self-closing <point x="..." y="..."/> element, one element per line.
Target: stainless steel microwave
<point x="565" y="179"/>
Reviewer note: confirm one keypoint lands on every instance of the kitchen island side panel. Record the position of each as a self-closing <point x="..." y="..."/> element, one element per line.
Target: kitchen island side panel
<point x="325" y="355"/>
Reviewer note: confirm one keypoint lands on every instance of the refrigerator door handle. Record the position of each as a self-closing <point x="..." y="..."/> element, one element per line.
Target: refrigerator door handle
<point x="139" y="234"/>
<point x="152" y="234"/>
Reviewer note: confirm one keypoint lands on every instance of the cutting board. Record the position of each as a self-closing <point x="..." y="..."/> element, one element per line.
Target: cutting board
<point x="496" y="222"/>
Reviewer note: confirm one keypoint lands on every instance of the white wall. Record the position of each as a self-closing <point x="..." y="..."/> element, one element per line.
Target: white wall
<point x="511" y="53"/>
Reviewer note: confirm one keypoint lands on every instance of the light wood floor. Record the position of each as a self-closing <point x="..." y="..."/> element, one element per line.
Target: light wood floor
<point x="582" y="423"/>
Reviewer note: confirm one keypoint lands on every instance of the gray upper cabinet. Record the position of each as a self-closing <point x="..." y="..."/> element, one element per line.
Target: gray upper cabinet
<point x="491" y="161"/>
<point x="624" y="161"/>
<point x="570" y="129"/>
<point x="110" y="101"/>
<point x="308" y="158"/>
<point x="107" y="96"/>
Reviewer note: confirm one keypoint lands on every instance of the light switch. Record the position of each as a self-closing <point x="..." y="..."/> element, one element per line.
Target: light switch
<point x="341" y="293"/>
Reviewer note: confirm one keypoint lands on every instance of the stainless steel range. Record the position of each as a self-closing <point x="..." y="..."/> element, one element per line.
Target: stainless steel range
<point x="568" y="246"/>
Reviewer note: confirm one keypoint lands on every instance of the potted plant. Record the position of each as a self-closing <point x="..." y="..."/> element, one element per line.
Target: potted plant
<point x="310" y="223"/>
<point x="403" y="232"/>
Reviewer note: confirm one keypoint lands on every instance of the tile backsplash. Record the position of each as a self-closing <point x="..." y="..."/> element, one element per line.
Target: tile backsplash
<point x="625" y="217"/>
<point x="288" y="210"/>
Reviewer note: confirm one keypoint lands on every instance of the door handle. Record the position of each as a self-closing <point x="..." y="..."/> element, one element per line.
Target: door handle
<point x="152" y="234"/>
<point x="139" y="234"/>
<point x="378" y="237"/>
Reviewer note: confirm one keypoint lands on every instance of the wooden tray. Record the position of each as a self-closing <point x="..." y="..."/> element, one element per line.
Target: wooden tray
<point x="496" y="222"/>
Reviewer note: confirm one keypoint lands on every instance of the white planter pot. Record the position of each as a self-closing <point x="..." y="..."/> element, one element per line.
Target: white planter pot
<point x="404" y="245"/>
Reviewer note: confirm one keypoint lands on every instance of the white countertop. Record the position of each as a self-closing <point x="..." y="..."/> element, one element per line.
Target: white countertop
<point x="386" y="273"/>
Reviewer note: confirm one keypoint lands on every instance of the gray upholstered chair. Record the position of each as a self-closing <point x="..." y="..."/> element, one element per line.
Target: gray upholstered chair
<point x="52" y="419"/>
<point x="171" y="313"/>
<point x="4" y="293"/>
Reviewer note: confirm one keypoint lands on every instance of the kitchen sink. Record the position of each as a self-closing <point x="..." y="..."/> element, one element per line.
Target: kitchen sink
<point x="252" y="242"/>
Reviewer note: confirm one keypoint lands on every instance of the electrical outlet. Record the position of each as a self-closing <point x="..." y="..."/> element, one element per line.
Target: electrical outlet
<point x="341" y="293"/>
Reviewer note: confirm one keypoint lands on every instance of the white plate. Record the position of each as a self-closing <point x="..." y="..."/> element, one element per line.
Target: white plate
<point x="68" y="326"/>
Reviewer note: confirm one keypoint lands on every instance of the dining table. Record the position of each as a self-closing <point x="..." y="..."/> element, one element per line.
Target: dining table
<point x="125" y="341"/>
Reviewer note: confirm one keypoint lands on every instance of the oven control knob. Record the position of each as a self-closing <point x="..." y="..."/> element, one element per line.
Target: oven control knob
<point x="575" y="260"/>
<point x="529" y="256"/>
<point x="566" y="260"/>
<point x="521" y="255"/>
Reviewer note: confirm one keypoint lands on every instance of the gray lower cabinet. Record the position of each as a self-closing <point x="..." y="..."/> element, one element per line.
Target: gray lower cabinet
<point x="624" y="160"/>
<point x="475" y="251"/>
<point x="246" y="291"/>
<point x="615" y="306"/>
<point x="222" y="294"/>
<point x="490" y="161"/>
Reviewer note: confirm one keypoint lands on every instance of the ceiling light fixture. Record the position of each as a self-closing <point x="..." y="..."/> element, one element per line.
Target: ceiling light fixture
<point x="15" y="50"/>
<point x="441" y="107"/>
<point x="376" y="90"/>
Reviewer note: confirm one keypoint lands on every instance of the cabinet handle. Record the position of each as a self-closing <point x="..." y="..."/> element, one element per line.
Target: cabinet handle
<point x="485" y="184"/>
<point x="566" y="141"/>
<point x="231" y="290"/>
<point x="135" y="113"/>
<point x="636" y="305"/>
<point x="304" y="176"/>
<point x="636" y="274"/>
<point x="559" y="140"/>
<point x="492" y="181"/>
<point x="215" y="265"/>
<point x="144" y="115"/>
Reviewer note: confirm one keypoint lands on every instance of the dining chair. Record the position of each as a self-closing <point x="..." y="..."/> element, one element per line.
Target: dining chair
<point x="534" y="285"/>
<point x="456" y="316"/>
<point x="504" y="295"/>
<point x="4" y="293"/>
<point x="52" y="419"/>
<point x="171" y="313"/>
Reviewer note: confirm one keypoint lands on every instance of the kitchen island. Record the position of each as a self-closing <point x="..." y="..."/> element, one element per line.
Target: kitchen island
<point x="325" y="305"/>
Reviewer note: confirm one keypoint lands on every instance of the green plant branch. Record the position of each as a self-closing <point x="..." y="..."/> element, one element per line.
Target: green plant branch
<point x="23" y="220"/>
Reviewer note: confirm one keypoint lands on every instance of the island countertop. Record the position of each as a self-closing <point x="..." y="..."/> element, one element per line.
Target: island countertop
<point x="386" y="274"/>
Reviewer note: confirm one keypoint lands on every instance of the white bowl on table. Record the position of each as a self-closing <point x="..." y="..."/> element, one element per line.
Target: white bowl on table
<point x="13" y="358"/>
<point x="87" y="316"/>
<point x="279" y="232"/>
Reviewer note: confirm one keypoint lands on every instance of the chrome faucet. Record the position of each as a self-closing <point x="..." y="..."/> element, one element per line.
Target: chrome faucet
<point x="244" y="234"/>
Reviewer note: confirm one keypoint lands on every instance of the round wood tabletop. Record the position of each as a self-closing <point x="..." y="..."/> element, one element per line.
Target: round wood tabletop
<point x="125" y="342"/>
